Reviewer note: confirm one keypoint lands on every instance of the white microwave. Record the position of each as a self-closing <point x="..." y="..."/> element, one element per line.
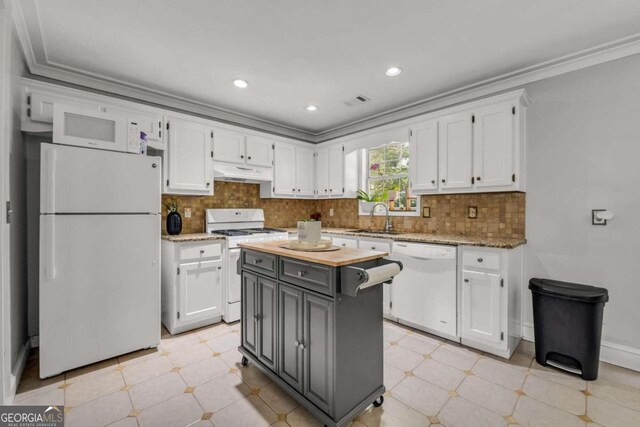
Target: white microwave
<point x="86" y="127"/>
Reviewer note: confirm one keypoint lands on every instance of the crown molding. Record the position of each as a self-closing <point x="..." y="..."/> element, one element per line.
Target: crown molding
<point x="38" y="66"/>
<point x="586" y="58"/>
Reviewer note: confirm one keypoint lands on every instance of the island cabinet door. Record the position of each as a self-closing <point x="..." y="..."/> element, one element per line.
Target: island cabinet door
<point x="317" y="347"/>
<point x="267" y="303"/>
<point x="249" y="312"/>
<point x="290" y="335"/>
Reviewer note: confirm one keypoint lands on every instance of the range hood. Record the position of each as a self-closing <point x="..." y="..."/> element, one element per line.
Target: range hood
<point x="254" y="175"/>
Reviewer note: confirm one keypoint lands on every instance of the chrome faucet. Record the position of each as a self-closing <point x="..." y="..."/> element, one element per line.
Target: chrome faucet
<point x="388" y="226"/>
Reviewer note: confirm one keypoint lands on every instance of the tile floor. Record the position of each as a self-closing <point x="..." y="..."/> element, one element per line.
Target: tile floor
<point x="195" y="379"/>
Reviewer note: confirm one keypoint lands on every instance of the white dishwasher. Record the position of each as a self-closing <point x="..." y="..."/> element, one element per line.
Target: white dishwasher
<point x="423" y="295"/>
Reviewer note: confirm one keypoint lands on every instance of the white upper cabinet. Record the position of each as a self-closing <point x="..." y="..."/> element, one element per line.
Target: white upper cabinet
<point x="493" y="145"/>
<point x="336" y="170"/>
<point x="259" y="151"/>
<point x="284" y="169"/>
<point x="189" y="158"/>
<point x="322" y="172"/>
<point x="228" y="146"/>
<point x="423" y="156"/>
<point x="305" y="171"/>
<point x="454" y="148"/>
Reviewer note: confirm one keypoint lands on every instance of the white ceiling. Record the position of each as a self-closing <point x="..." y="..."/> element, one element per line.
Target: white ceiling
<point x="299" y="52"/>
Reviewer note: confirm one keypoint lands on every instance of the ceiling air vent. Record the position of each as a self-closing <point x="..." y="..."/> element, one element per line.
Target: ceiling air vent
<point x="356" y="100"/>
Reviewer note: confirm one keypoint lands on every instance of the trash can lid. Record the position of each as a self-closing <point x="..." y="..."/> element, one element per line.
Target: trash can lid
<point x="566" y="290"/>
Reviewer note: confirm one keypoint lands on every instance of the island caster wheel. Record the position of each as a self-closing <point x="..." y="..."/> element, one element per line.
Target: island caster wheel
<point x="244" y="361"/>
<point x="378" y="402"/>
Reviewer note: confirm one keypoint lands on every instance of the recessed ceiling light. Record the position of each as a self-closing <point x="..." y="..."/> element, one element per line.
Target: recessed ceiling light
<point x="311" y="108"/>
<point x="240" y="83"/>
<point x="393" y="71"/>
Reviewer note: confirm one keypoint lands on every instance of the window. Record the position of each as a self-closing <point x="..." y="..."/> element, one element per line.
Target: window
<point x="388" y="176"/>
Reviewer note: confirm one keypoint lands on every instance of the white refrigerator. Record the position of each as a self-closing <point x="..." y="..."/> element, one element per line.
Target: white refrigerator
<point x="99" y="255"/>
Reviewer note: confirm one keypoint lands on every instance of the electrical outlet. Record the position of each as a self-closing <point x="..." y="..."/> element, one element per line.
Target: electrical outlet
<point x="331" y="212"/>
<point x="187" y="212"/>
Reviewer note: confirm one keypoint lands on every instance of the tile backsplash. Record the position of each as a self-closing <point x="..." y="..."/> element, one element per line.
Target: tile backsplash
<point x="500" y="215"/>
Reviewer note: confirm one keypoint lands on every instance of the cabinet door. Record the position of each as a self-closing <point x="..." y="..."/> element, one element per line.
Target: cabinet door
<point x="228" y="146"/>
<point x="454" y="151"/>
<point x="318" y="351"/>
<point x="423" y="154"/>
<point x="304" y="171"/>
<point x="249" y="312"/>
<point x="481" y="306"/>
<point x="189" y="156"/>
<point x="259" y="151"/>
<point x="284" y="169"/>
<point x="290" y="335"/>
<point x="336" y="170"/>
<point x="322" y="172"/>
<point x="493" y="139"/>
<point x="267" y="309"/>
<point x="200" y="293"/>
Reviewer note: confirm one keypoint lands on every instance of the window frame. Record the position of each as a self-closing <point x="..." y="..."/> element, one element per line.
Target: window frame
<point x="365" y="178"/>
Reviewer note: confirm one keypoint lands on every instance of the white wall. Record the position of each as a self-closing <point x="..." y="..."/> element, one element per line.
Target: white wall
<point x="14" y="265"/>
<point x="583" y="153"/>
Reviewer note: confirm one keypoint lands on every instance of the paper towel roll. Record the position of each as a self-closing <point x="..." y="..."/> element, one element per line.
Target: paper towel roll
<point x="380" y="274"/>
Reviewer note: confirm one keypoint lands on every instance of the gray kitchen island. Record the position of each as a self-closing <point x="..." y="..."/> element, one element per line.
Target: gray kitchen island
<point x="312" y="322"/>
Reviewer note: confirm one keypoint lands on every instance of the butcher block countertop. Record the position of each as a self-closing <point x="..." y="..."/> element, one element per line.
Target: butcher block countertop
<point x="196" y="237"/>
<point x="339" y="258"/>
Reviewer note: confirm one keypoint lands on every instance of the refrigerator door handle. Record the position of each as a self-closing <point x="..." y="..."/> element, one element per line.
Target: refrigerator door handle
<point x="50" y="246"/>
<point x="50" y="176"/>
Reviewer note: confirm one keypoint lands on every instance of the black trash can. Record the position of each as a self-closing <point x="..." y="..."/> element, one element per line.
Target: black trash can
<point x="567" y="322"/>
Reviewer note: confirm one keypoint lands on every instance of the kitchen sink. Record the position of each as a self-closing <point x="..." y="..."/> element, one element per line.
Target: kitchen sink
<point x="375" y="231"/>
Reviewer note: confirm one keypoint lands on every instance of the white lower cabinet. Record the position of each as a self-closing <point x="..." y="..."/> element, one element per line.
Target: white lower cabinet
<point x="490" y="298"/>
<point x="193" y="275"/>
<point x="345" y="242"/>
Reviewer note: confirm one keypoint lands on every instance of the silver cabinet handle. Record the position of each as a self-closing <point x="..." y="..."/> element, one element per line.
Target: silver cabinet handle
<point x="301" y="346"/>
<point x="296" y="343"/>
<point x="300" y="273"/>
<point x="257" y="261"/>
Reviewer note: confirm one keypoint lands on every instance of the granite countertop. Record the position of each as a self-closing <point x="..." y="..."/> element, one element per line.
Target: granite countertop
<point x="191" y="237"/>
<point x="336" y="258"/>
<point x="442" y="239"/>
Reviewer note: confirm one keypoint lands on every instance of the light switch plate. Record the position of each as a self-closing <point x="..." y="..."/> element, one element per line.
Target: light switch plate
<point x="331" y="212"/>
<point x="187" y="212"/>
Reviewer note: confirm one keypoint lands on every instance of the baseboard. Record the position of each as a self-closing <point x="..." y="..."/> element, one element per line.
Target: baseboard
<point x="616" y="354"/>
<point x="527" y="331"/>
<point x="620" y="355"/>
<point x="16" y="372"/>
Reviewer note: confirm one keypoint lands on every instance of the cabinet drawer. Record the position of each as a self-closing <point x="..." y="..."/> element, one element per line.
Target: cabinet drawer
<point x="375" y="246"/>
<point x="481" y="259"/>
<point x="311" y="276"/>
<point x="200" y="251"/>
<point x="345" y="243"/>
<point x="259" y="262"/>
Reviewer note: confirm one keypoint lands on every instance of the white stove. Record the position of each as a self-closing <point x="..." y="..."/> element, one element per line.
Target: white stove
<point x="238" y="226"/>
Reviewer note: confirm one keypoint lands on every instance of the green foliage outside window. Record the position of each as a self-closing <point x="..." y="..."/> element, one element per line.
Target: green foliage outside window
<point x="388" y="175"/>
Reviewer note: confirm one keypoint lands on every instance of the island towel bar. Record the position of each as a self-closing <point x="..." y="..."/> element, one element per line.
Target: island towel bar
<point x="356" y="278"/>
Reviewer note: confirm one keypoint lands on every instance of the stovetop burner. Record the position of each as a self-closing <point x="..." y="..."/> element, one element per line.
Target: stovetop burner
<point x="246" y="232"/>
<point x="231" y="233"/>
